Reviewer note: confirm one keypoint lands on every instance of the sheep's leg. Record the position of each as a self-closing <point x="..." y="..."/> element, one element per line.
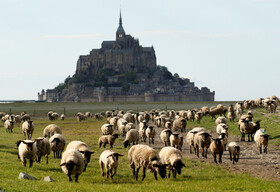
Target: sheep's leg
<point x="220" y="157"/>
<point x="30" y="162"/>
<point x="69" y="177"/>
<point x="76" y="177"/>
<point x="202" y="153"/>
<point x="144" y="173"/>
<point x="260" y="149"/>
<point x="197" y="152"/>
<point x="102" y="169"/>
<point x="111" y="146"/>
<point x="169" y="174"/>
<point x="153" y="142"/>
<point x="206" y="152"/>
<point x="248" y="137"/>
<point x="47" y="159"/>
<point x="230" y="156"/>
<point x="136" y="174"/>
<point x="115" y="171"/>
<point x="265" y="149"/>
<point x="190" y="149"/>
<point x="155" y="174"/>
<point x="174" y="173"/>
<point x="215" y="158"/>
<point x="225" y="147"/>
<point x="24" y="162"/>
<point x="107" y="173"/>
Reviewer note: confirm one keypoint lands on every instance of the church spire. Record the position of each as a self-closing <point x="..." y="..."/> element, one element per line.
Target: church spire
<point x="120" y="31"/>
<point x="120" y="20"/>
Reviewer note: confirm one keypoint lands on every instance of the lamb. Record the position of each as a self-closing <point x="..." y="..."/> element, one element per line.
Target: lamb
<point x="110" y="160"/>
<point x="80" y="116"/>
<point x="57" y="143"/>
<point x="62" y="117"/>
<point x="27" y="149"/>
<point x="220" y="120"/>
<point x="132" y="136"/>
<point x="261" y="138"/>
<point x="198" y="116"/>
<point x="222" y="128"/>
<point x="9" y="125"/>
<point x="107" y="129"/>
<point x="25" y="117"/>
<point x="165" y="136"/>
<point x="43" y="149"/>
<point x="113" y="121"/>
<point x="27" y="129"/>
<point x="234" y="150"/>
<point x="142" y="131"/>
<point x="72" y="163"/>
<point x="216" y="147"/>
<point x="83" y="148"/>
<point x="107" y="139"/>
<point x="151" y="133"/>
<point x="173" y="158"/>
<point x="202" y="141"/>
<point x="147" y="158"/>
<point x="51" y="129"/>
<point x="180" y="123"/>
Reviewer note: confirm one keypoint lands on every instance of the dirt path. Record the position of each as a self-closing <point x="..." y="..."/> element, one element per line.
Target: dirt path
<point x="265" y="166"/>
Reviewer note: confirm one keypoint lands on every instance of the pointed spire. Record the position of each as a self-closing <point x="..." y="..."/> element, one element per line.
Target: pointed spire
<point x="120" y="21"/>
<point x="120" y="31"/>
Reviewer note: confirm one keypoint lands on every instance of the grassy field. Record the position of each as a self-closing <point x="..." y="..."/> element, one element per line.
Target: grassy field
<point x="197" y="176"/>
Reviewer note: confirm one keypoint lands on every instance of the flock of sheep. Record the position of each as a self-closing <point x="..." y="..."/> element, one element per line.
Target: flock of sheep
<point x="143" y="127"/>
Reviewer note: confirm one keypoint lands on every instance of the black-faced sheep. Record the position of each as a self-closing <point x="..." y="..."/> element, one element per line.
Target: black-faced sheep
<point x="261" y="138"/>
<point x="234" y="152"/>
<point x="202" y="142"/>
<point x="57" y="142"/>
<point x="27" y="129"/>
<point x="132" y="136"/>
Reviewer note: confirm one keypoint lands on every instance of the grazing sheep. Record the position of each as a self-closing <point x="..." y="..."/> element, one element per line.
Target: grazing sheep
<point x="202" y="142"/>
<point x="2" y="114"/>
<point x="27" y="129"/>
<point x="147" y="158"/>
<point x="219" y="110"/>
<point x="98" y="116"/>
<point x="142" y="131"/>
<point x="247" y="127"/>
<point x="57" y="142"/>
<point x="43" y="149"/>
<point x="151" y="133"/>
<point x="62" y="117"/>
<point x="52" y="115"/>
<point x="261" y="138"/>
<point x="51" y="129"/>
<point x="107" y="139"/>
<point x="80" y="116"/>
<point x="217" y="148"/>
<point x="180" y="123"/>
<point x="234" y="150"/>
<point x="27" y="149"/>
<point x="110" y="160"/>
<point x="9" y="125"/>
<point x="220" y="120"/>
<point x="132" y="136"/>
<point x="198" y="116"/>
<point x="83" y="148"/>
<point x="72" y="163"/>
<point x="165" y="136"/>
<point x="25" y="117"/>
<point x="222" y="128"/>
<point x="107" y="129"/>
<point x="108" y="113"/>
<point x="205" y="110"/>
<point x="271" y="107"/>
<point x="173" y="158"/>
<point x="88" y="114"/>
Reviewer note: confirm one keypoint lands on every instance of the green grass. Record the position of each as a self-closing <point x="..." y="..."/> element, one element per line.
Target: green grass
<point x="197" y="176"/>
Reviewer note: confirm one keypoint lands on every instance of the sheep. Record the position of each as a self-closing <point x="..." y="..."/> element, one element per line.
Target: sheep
<point x="231" y="115"/>
<point x="108" y="113"/>
<point x="107" y="139"/>
<point x="83" y="148"/>
<point x="129" y="126"/>
<point x="72" y="163"/>
<point x="234" y="150"/>
<point x="121" y="126"/>
<point x="180" y="123"/>
<point x="88" y="114"/>
<point x="5" y="117"/>
<point x="51" y="129"/>
<point x="52" y="115"/>
<point x="190" y="115"/>
<point x="98" y="116"/>
<point x="216" y="110"/>
<point x="57" y="143"/>
<point x="224" y="139"/>
<point x="205" y="110"/>
<point x="113" y="121"/>
<point x="151" y="133"/>
<point x="220" y="120"/>
<point x="80" y="116"/>
<point x="107" y="129"/>
<point x="62" y="117"/>
<point x="158" y="121"/>
<point x="110" y="160"/>
<point x="2" y="114"/>
<point x="168" y="125"/>
<point x="216" y="147"/>
<point x="271" y="107"/>
<point x="142" y="131"/>
<point x="248" y="127"/>
<point x="128" y="117"/>
<point x="173" y="158"/>
<point x="17" y="119"/>
<point x="181" y="142"/>
<point x="140" y="118"/>
<point x="147" y="158"/>
<point x="43" y="149"/>
<point x="27" y="149"/>
<point x="132" y="136"/>
<point x="165" y="136"/>
<point x="175" y="140"/>
<point x="198" y="116"/>
<point x="222" y="128"/>
<point x="183" y="114"/>
<point x="9" y="125"/>
<point x="201" y="141"/>
<point x="261" y="138"/>
<point x="27" y="129"/>
<point x="25" y="117"/>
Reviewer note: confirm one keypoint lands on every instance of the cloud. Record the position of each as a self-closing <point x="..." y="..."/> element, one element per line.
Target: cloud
<point x="80" y="36"/>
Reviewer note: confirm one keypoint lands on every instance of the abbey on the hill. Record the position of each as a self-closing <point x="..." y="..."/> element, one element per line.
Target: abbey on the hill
<point x="123" y="70"/>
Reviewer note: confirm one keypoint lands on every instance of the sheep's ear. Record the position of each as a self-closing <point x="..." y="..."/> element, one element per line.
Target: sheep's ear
<point x="62" y="164"/>
<point x="183" y="165"/>
<point x="119" y="154"/>
<point x="109" y="155"/>
<point x="18" y="142"/>
<point x="155" y="165"/>
<point x="91" y="153"/>
<point x="82" y="152"/>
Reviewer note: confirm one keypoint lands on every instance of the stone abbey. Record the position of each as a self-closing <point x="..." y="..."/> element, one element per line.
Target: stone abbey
<point x="121" y="71"/>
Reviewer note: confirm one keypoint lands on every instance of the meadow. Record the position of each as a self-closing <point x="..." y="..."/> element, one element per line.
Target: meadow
<point x="199" y="175"/>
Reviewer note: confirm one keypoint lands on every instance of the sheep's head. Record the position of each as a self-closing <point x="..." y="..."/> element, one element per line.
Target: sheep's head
<point x="237" y="148"/>
<point x="217" y="141"/>
<point x="205" y="135"/>
<point x="29" y="145"/>
<point x="178" y="165"/>
<point x="115" y="156"/>
<point x="30" y="123"/>
<point x="18" y="142"/>
<point x="115" y="135"/>
<point x="160" y="169"/>
<point x="125" y="144"/>
<point x="69" y="166"/>
<point x="87" y="156"/>
<point x="56" y="141"/>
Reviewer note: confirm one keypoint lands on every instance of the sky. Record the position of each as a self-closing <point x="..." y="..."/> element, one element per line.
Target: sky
<point x="231" y="47"/>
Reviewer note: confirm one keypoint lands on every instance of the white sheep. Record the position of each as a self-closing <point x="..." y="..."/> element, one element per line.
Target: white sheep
<point x="27" y="149"/>
<point x="51" y="129"/>
<point x="261" y="138"/>
<point x="62" y="117"/>
<point x="107" y="129"/>
<point x="43" y="149"/>
<point x="57" y="142"/>
<point x="27" y="129"/>
<point x="220" y="120"/>
<point x="72" y="163"/>
<point x="121" y="126"/>
<point x="80" y="116"/>
<point x="107" y="139"/>
<point x="222" y="128"/>
<point x="83" y="148"/>
<point x="17" y="119"/>
<point x="142" y="131"/>
<point x="180" y="123"/>
<point x="113" y="121"/>
<point x="25" y="117"/>
<point x="165" y="136"/>
<point x="132" y="136"/>
<point x="202" y="142"/>
<point x="173" y="158"/>
<point x="190" y="136"/>
<point x="147" y="158"/>
<point x="129" y="126"/>
<point x="234" y="151"/>
<point x="175" y="140"/>
<point x="151" y="133"/>
<point x="9" y="125"/>
<point x="110" y="160"/>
